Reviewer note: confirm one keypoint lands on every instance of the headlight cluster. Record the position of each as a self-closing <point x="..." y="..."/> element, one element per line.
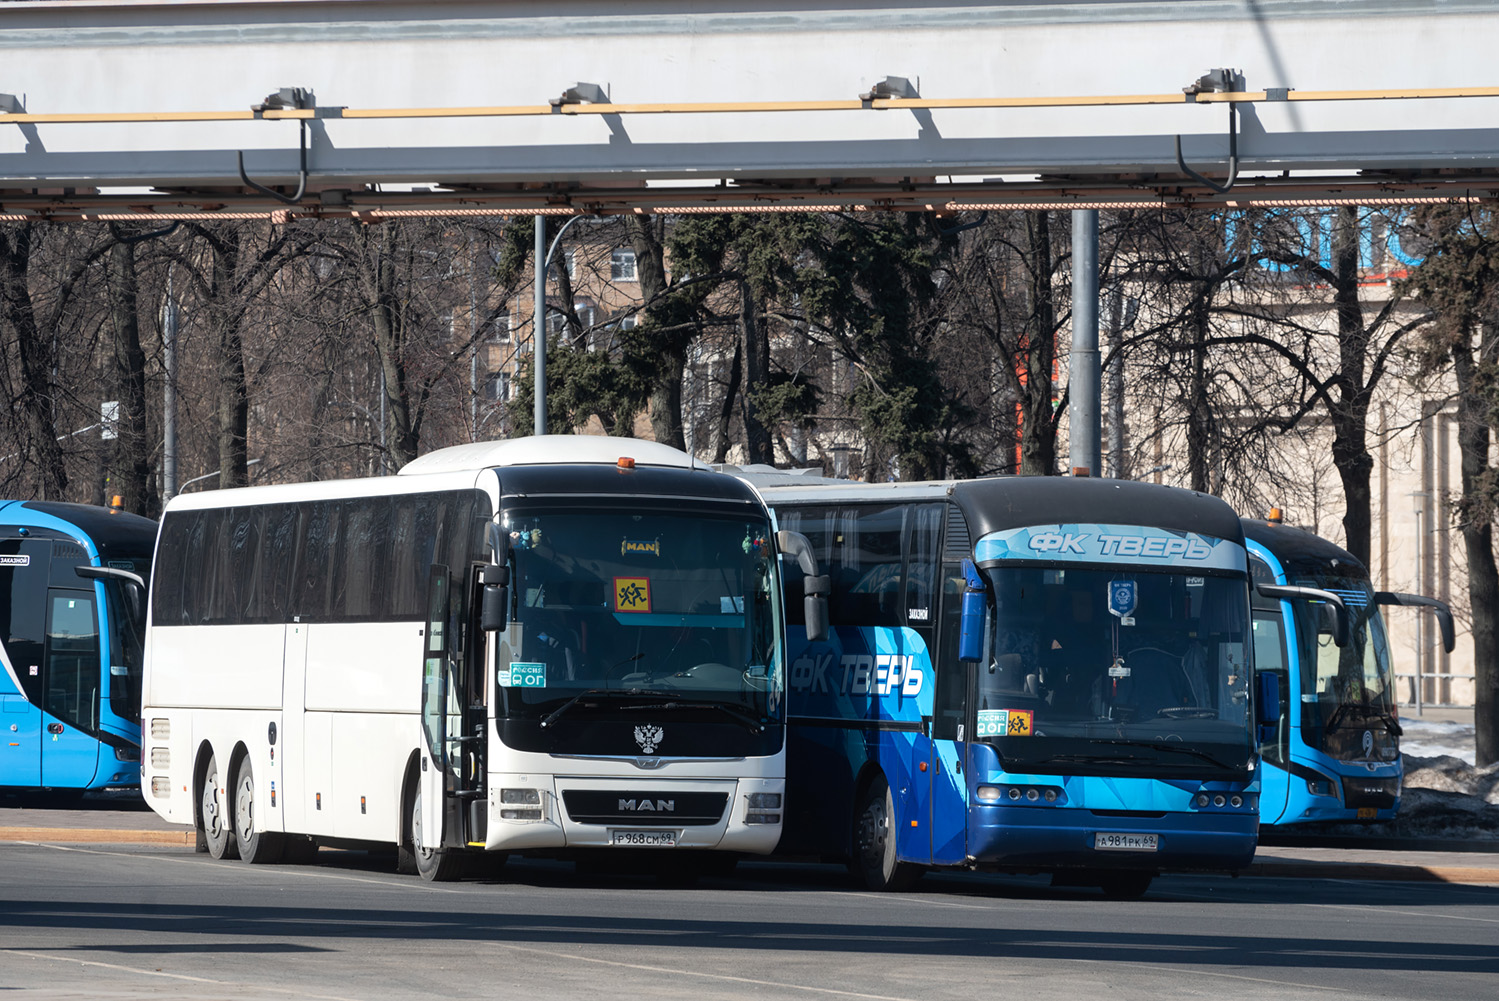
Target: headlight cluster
<point x="521" y="805"/>
<point x="758" y="803"/>
<point x="1020" y="794"/>
<point x="1228" y="800"/>
<point x="1321" y="787"/>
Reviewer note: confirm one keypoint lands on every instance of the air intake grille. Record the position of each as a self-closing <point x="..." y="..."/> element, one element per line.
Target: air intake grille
<point x="956" y="546"/>
<point x="676" y="809"/>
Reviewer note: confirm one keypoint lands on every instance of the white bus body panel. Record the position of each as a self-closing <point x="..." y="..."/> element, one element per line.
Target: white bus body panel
<point x="216" y="667"/>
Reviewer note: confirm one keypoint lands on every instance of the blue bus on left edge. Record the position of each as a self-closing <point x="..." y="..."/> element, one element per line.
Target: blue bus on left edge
<point x="72" y="621"/>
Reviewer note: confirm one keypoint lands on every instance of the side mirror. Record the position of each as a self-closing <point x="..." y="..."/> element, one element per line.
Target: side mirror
<point x="815" y="606"/>
<point x="1443" y="612"/>
<point x="1334" y="604"/>
<point x="815" y="586"/>
<point x="1267" y="705"/>
<point x="972" y="615"/>
<point x="494" y="609"/>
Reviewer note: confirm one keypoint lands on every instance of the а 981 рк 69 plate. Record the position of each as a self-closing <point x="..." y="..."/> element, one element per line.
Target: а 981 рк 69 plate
<point x="1109" y="842"/>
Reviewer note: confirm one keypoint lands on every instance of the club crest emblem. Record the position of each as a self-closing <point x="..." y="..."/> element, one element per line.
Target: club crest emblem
<point x="648" y="737"/>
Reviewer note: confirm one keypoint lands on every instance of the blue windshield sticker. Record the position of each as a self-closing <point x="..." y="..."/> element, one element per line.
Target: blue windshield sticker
<point x="1122" y="597"/>
<point x="523" y="676"/>
<point x="1130" y="544"/>
<point x="993" y="722"/>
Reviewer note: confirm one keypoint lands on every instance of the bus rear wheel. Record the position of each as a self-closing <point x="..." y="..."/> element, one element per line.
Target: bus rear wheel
<point x="875" y="860"/>
<point x="256" y="846"/>
<point x="213" y="814"/>
<point x="435" y="865"/>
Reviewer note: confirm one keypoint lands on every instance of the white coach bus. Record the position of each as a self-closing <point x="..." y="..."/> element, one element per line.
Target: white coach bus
<point x="553" y="643"/>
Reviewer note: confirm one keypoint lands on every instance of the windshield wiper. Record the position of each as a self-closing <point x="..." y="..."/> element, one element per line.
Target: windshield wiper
<point x="551" y="717"/>
<point x="1092" y="759"/>
<point x="1337" y="717"/>
<point x="742" y="718"/>
<point x="1366" y="712"/>
<point x="1164" y="746"/>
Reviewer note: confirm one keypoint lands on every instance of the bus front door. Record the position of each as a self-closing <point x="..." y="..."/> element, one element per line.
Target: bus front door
<point x="23" y="612"/>
<point x="439" y="713"/>
<point x="70" y="682"/>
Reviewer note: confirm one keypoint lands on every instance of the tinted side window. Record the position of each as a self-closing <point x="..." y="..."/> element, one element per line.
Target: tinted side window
<point x="867" y="578"/>
<point x="922" y="545"/>
<point x="278" y="560"/>
<point x="23" y="608"/>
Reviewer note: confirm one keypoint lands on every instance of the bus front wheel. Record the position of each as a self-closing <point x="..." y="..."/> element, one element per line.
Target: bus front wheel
<point x="256" y="846"/>
<point x="214" y="814"/>
<point x="435" y="865"/>
<point x="875" y="859"/>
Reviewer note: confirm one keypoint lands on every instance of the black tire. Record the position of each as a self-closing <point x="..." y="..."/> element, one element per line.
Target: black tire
<point x="435" y="865"/>
<point x="256" y="846"/>
<point x="875" y="861"/>
<point x="1125" y="884"/>
<point x="213" y="814"/>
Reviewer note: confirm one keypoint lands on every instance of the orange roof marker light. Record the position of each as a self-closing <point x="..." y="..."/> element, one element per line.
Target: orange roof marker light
<point x="117" y="503"/>
<point x="625" y="462"/>
<point x="1277" y="517"/>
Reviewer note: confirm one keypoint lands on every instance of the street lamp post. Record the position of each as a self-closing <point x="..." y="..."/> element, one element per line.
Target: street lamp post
<point x="539" y="315"/>
<point x="209" y="476"/>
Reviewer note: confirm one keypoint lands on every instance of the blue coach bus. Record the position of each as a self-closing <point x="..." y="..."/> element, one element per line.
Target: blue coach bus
<point x="72" y="622"/>
<point x="1334" y="753"/>
<point x="1023" y="674"/>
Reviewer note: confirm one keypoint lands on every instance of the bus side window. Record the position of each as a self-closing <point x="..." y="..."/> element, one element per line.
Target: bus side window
<point x="23" y="611"/>
<point x="867" y="586"/>
<point x="924" y="532"/>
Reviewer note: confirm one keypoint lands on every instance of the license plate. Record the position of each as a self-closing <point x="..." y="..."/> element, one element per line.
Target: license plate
<point x="1367" y="812"/>
<point x="644" y="839"/>
<point x="1106" y="842"/>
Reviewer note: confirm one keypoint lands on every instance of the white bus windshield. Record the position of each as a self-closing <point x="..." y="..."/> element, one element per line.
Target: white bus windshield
<point x="668" y="602"/>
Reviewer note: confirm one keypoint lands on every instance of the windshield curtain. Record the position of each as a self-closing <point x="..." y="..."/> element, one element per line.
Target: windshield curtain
<point x="664" y="601"/>
<point x="1351" y="689"/>
<point x="1124" y="666"/>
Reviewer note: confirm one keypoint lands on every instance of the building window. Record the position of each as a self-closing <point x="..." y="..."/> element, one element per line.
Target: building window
<point x="622" y="266"/>
<point x="497" y="387"/>
<point x="500" y="332"/>
<point x="587" y="313"/>
<point x="570" y="262"/>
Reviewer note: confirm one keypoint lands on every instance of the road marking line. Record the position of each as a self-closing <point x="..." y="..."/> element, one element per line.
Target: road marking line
<point x="694" y="973"/>
<point x="300" y="870"/>
<point x="173" y="976"/>
<point x="1196" y="970"/>
<point x="1411" y="914"/>
<point x="911" y="898"/>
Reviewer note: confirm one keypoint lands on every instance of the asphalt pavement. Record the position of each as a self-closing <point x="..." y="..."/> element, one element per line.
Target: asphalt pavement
<point x="119" y="818"/>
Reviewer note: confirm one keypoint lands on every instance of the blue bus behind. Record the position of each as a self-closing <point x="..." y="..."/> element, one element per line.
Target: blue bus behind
<point x="1096" y="722"/>
<point x="72" y="619"/>
<point x="1334" y="754"/>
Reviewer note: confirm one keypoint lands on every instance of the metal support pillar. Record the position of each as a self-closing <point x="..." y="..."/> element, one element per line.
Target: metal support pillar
<point x="1085" y="403"/>
<point x="539" y="328"/>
